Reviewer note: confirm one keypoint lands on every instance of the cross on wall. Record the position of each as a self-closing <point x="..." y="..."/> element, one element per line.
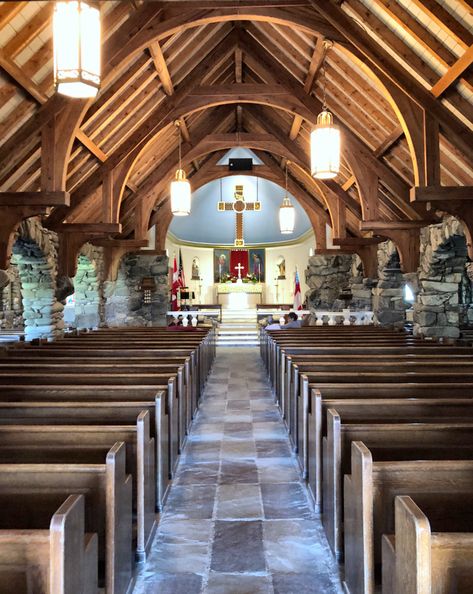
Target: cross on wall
<point x="239" y="206"/>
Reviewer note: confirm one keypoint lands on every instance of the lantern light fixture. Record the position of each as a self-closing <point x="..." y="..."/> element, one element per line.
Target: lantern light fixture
<point x="76" y="35"/>
<point x="287" y="213"/>
<point x="325" y="139"/>
<point x="180" y="186"/>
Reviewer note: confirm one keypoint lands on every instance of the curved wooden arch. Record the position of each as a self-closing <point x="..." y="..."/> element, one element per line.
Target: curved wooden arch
<point x="278" y="101"/>
<point x="125" y="49"/>
<point x="163" y="225"/>
<point x="209" y="145"/>
<point x="408" y="113"/>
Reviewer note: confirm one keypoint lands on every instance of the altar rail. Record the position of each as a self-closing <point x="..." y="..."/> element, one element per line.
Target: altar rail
<point x="329" y="318"/>
<point x="207" y="313"/>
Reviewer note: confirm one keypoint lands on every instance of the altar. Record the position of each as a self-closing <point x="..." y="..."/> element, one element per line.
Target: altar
<point x="239" y="295"/>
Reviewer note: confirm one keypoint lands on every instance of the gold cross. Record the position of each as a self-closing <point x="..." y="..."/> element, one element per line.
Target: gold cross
<point x="239" y="206"/>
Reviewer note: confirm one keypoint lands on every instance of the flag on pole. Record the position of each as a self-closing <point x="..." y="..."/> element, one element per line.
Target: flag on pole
<point x="182" y="278"/>
<point x="297" y="294"/>
<point x="174" y="286"/>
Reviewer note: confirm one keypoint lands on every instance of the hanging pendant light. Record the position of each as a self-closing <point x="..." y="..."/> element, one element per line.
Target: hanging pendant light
<point x="325" y="141"/>
<point x="76" y="34"/>
<point x="287" y="214"/>
<point x="180" y="187"/>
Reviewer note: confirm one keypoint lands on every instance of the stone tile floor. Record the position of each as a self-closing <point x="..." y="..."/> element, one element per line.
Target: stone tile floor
<point x="237" y="519"/>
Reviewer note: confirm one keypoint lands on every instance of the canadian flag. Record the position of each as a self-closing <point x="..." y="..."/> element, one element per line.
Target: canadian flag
<point x="297" y="294"/>
<point x="175" y="286"/>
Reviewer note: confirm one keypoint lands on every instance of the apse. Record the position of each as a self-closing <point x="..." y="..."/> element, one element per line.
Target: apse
<point x="207" y="226"/>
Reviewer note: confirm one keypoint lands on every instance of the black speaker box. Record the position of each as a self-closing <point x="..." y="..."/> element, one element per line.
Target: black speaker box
<point x="240" y="164"/>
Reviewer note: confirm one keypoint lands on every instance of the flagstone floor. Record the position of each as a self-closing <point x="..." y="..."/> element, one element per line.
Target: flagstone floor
<point x="237" y="520"/>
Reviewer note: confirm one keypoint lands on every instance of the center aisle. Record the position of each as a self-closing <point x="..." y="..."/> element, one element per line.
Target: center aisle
<point x="237" y="520"/>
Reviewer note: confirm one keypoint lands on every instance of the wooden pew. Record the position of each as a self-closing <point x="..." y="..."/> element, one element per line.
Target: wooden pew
<point x="422" y="559"/>
<point x="88" y="387"/>
<point x="369" y="509"/>
<point x="387" y="441"/>
<point x="51" y="556"/>
<point x="62" y="444"/>
<point x="100" y="413"/>
<point x="376" y="410"/>
<point x="108" y="492"/>
<point x="181" y="369"/>
<point x="101" y="405"/>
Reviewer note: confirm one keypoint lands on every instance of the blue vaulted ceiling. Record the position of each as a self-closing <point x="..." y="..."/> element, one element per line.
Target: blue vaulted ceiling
<point x="205" y="225"/>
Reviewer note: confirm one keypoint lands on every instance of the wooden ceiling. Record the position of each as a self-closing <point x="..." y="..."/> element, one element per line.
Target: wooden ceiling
<point x="250" y="73"/>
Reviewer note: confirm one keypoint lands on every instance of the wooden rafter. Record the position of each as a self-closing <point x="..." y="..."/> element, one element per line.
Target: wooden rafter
<point x="387" y="67"/>
<point x="161" y="67"/>
<point x="314" y="67"/>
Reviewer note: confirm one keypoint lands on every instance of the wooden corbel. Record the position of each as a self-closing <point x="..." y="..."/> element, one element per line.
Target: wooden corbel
<point x="72" y="237"/>
<point x="405" y="235"/>
<point x="18" y="206"/>
<point x="454" y="200"/>
<point x="114" y="250"/>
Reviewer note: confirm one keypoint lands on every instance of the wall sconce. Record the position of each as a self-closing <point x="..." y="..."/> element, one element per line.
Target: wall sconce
<point x="148" y="287"/>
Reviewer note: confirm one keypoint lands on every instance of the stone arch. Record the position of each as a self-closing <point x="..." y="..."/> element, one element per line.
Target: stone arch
<point x="88" y="288"/>
<point x="388" y="296"/>
<point x="444" y="285"/>
<point x="42" y="312"/>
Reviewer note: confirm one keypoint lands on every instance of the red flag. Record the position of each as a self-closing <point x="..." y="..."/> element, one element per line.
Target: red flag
<point x="175" y="286"/>
<point x="297" y="294"/>
<point x="182" y="278"/>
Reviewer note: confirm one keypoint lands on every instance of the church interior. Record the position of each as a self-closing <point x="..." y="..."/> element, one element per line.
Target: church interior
<point x="236" y="286"/>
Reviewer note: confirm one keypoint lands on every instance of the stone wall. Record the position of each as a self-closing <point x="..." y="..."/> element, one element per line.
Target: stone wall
<point x="35" y="258"/>
<point x="388" y="295"/>
<point x="327" y="276"/>
<point x="360" y="287"/>
<point x="11" y="310"/>
<point x="124" y="299"/>
<point x="88" y="288"/>
<point x="443" y="280"/>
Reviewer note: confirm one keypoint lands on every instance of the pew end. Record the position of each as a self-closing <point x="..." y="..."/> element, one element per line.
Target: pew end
<point x="358" y="513"/>
<point x="425" y="562"/>
<point x="331" y="487"/>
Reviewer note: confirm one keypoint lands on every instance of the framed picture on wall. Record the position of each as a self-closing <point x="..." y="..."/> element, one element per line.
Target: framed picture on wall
<point x="258" y="263"/>
<point x="221" y="264"/>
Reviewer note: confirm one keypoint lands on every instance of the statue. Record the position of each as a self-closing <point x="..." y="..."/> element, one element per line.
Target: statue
<point x="281" y="264"/>
<point x="195" y="269"/>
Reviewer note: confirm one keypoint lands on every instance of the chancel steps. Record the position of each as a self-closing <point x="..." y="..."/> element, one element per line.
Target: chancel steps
<point x="238" y="328"/>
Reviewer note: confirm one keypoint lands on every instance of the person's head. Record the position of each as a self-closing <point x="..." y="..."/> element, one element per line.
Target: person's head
<point x="292" y="316"/>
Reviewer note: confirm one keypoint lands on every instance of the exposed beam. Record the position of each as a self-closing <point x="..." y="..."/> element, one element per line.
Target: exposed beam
<point x="238" y="65"/>
<point x="394" y="225"/>
<point x="389" y="141"/>
<point x="453" y="73"/>
<point x="34" y="198"/>
<point x="434" y="193"/>
<point x="161" y="68"/>
<point x="35" y="92"/>
<point x="387" y="66"/>
<point x="91" y="146"/>
<point x="314" y="67"/>
<point x="270" y="69"/>
<point x="31" y="88"/>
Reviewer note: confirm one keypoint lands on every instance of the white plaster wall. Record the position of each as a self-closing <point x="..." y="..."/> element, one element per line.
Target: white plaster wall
<point x="296" y="255"/>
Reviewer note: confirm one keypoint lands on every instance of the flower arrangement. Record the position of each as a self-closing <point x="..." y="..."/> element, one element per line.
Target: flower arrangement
<point x="229" y="278"/>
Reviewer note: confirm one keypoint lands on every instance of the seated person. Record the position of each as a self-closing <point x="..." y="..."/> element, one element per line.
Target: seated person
<point x="292" y="321"/>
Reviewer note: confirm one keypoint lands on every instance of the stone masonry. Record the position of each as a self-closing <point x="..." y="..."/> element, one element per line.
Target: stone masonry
<point x="124" y="298"/>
